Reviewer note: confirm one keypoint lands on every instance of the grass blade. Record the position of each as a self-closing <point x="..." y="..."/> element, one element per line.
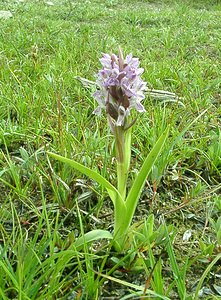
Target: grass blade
<point x="216" y="259"/>
<point x="176" y="271"/>
<point x="132" y="286"/>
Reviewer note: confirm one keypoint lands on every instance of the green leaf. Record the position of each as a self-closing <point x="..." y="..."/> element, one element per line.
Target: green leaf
<point x="123" y="220"/>
<point x="112" y="191"/>
<point x="135" y="191"/>
<point x="92" y="236"/>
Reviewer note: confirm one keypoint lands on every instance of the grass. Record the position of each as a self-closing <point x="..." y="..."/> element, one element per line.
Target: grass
<point x="45" y="206"/>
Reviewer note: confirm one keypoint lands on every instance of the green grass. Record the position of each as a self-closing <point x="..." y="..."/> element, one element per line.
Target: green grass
<point x="45" y="206"/>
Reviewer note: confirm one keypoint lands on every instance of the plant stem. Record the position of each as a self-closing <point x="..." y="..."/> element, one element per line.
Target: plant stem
<point x="123" y="151"/>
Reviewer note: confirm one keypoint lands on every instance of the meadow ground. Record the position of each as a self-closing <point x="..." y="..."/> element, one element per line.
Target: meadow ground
<point x="45" y="205"/>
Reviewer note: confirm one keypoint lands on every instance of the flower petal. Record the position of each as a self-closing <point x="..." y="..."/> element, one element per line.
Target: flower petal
<point x="97" y="111"/>
<point x="121" y="116"/>
<point x="139" y="107"/>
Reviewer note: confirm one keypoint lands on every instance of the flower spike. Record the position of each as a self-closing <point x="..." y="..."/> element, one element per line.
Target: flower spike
<point x="120" y="87"/>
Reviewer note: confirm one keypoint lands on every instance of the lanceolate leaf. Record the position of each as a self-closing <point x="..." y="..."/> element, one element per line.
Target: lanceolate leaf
<point x="123" y="220"/>
<point x="138" y="184"/>
<point x="91" y="236"/>
<point x="112" y="191"/>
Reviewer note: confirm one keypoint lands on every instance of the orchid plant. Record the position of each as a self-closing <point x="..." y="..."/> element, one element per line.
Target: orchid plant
<point x="119" y="90"/>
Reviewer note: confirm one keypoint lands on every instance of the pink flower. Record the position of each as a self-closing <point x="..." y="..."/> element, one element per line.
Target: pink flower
<point x="120" y="87"/>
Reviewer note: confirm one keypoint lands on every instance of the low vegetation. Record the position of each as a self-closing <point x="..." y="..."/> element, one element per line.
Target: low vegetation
<point x="173" y="250"/>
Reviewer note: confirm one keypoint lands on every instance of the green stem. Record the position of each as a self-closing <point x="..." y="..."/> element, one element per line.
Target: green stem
<point x="123" y="151"/>
<point x="121" y="178"/>
<point x="121" y="172"/>
<point x="120" y="211"/>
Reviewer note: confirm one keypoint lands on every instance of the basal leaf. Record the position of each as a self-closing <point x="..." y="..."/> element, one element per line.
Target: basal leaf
<point x="138" y="184"/>
<point x="91" y="236"/>
<point x="112" y="191"/>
